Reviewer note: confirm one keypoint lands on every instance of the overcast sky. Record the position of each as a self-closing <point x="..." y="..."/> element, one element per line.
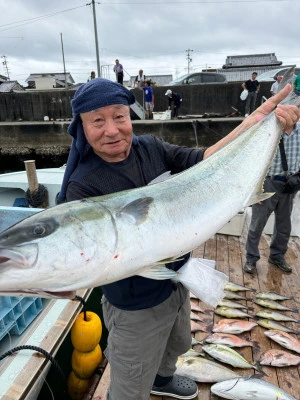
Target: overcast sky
<point x="152" y="35"/>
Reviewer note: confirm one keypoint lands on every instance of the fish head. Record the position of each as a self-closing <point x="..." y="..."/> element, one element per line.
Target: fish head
<point x="38" y="253"/>
<point x="224" y="388"/>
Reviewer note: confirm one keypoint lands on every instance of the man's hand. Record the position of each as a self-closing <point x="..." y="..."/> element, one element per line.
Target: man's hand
<point x="287" y="115"/>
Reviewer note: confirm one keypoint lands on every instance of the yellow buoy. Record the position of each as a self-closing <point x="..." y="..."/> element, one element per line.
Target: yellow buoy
<point x="86" y="334"/>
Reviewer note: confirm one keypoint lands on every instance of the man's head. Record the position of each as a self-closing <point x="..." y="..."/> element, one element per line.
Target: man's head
<point x="254" y="75"/>
<point x="93" y="75"/>
<point x="141" y="72"/>
<point x="168" y="93"/>
<point x="279" y="78"/>
<point x="117" y="61"/>
<point x="101" y="117"/>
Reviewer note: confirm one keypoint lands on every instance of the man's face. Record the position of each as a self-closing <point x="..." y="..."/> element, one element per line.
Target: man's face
<point x="254" y="76"/>
<point x="109" y="131"/>
<point x="117" y="61"/>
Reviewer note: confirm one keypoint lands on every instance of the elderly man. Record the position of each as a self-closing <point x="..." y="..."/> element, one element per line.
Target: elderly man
<point x="148" y="320"/>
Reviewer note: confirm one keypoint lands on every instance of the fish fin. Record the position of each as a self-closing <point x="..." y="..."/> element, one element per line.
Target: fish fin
<point x="257" y="197"/>
<point x="137" y="209"/>
<point x="161" y="178"/>
<point x="158" y="272"/>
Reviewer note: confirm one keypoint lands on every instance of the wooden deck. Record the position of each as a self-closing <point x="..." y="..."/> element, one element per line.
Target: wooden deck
<point x="229" y="253"/>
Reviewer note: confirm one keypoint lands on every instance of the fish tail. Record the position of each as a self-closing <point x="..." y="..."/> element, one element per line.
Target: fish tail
<point x="288" y="78"/>
<point x="250" y="308"/>
<point x="256" y="345"/>
<point x="258" y="368"/>
<point x="249" y="299"/>
<point x="295" y="310"/>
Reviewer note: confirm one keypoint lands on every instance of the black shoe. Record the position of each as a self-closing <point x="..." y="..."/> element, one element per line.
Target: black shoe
<point x="283" y="265"/>
<point x="179" y="387"/>
<point x="249" y="267"/>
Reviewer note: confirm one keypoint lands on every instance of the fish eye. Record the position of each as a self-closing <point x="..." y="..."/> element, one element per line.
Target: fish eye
<point x="39" y="230"/>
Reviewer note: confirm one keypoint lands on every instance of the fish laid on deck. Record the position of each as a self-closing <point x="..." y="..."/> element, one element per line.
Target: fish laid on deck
<point x="201" y="369"/>
<point x="229" y="356"/>
<point x="271" y="324"/>
<point x="274" y="305"/>
<point x="97" y="241"/>
<point x="228" y="340"/>
<point x="276" y="316"/>
<point x="232" y="312"/>
<point x="251" y="388"/>
<point x="284" y="339"/>
<point x="278" y="358"/>
<point x="233" y="326"/>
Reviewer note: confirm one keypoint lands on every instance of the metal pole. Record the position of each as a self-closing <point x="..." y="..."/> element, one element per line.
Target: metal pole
<point x="96" y="39"/>
<point x="63" y="55"/>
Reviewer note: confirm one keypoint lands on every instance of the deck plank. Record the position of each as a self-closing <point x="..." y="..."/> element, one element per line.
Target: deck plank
<point x="229" y="253"/>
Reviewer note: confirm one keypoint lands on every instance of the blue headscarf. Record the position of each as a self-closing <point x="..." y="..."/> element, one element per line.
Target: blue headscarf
<point x="95" y="94"/>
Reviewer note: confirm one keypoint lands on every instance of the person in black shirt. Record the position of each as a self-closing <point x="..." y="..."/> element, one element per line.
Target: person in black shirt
<point x="148" y="320"/>
<point x="176" y="99"/>
<point x="252" y="85"/>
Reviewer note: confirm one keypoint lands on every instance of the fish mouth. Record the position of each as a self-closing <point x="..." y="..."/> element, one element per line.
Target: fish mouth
<point x="22" y="256"/>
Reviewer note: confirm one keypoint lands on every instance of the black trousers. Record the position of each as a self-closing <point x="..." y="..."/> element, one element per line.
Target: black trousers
<point x="120" y="76"/>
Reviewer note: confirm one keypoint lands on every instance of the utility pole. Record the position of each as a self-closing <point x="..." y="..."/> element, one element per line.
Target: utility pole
<point x="96" y="39"/>
<point x="5" y="66"/>
<point x="63" y="55"/>
<point x="189" y="58"/>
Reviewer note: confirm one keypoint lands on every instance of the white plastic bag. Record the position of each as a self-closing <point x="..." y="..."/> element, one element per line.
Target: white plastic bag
<point x="244" y="94"/>
<point x="200" y="277"/>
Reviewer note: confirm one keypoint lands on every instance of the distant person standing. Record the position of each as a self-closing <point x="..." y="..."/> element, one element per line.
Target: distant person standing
<point x="92" y="76"/>
<point x="252" y="85"/>
<point x="274" y="87"/>
<point x="140" y="79"/>
<point x="149" y="99"/>
<point x="176" y="99"/>
<point x="297" y="85"/>
<point x="118" y="70"/>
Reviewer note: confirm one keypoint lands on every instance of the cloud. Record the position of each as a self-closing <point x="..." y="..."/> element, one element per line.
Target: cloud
<point x="154" y="35"/>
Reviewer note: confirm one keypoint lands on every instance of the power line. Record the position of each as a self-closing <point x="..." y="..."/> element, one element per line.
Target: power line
<point x="29" y="20"/>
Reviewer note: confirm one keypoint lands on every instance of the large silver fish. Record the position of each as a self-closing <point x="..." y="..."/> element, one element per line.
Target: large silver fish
<point x="101" y="240"/>
<point x="251" y="388"/>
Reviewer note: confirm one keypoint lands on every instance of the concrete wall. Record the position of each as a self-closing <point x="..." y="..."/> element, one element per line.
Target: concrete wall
<point x="48" y="142"/>
<point x="197" y="99"/>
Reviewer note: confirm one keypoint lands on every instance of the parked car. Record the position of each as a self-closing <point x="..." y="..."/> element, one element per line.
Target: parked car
<point x="270" y="76"/>
<point x="198" y="78"/>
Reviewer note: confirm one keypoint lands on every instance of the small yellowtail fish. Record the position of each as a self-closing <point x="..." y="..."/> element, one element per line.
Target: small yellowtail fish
<point x="250" y="388"/>
<point x="274" y="305"/>
<point x="228" y="340"/>
<point x="278" y="358"/>
<point x="270" y="314"/>
<point x="200" y="369"/>
<point x="233" y="304"/>
<point x="272" y="296"/>
<point x="232" y="313"/>
<point x="195" y="317"/>
<point x="284" y="339"/>
<point x="233" y="326"/>
<point x="234" y="287"/>
<point x="270" y="324"/>
<point x="234" y="296"/>
<point x="229" y="356"/>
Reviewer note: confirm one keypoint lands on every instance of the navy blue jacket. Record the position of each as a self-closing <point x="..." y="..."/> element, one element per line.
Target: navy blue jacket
<point x="149" y="157"/>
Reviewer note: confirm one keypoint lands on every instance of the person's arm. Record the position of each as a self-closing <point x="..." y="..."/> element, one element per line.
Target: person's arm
<point x="288" y="115"/>
<point x="244" y="85"/>
<point x="258" y="87"/>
